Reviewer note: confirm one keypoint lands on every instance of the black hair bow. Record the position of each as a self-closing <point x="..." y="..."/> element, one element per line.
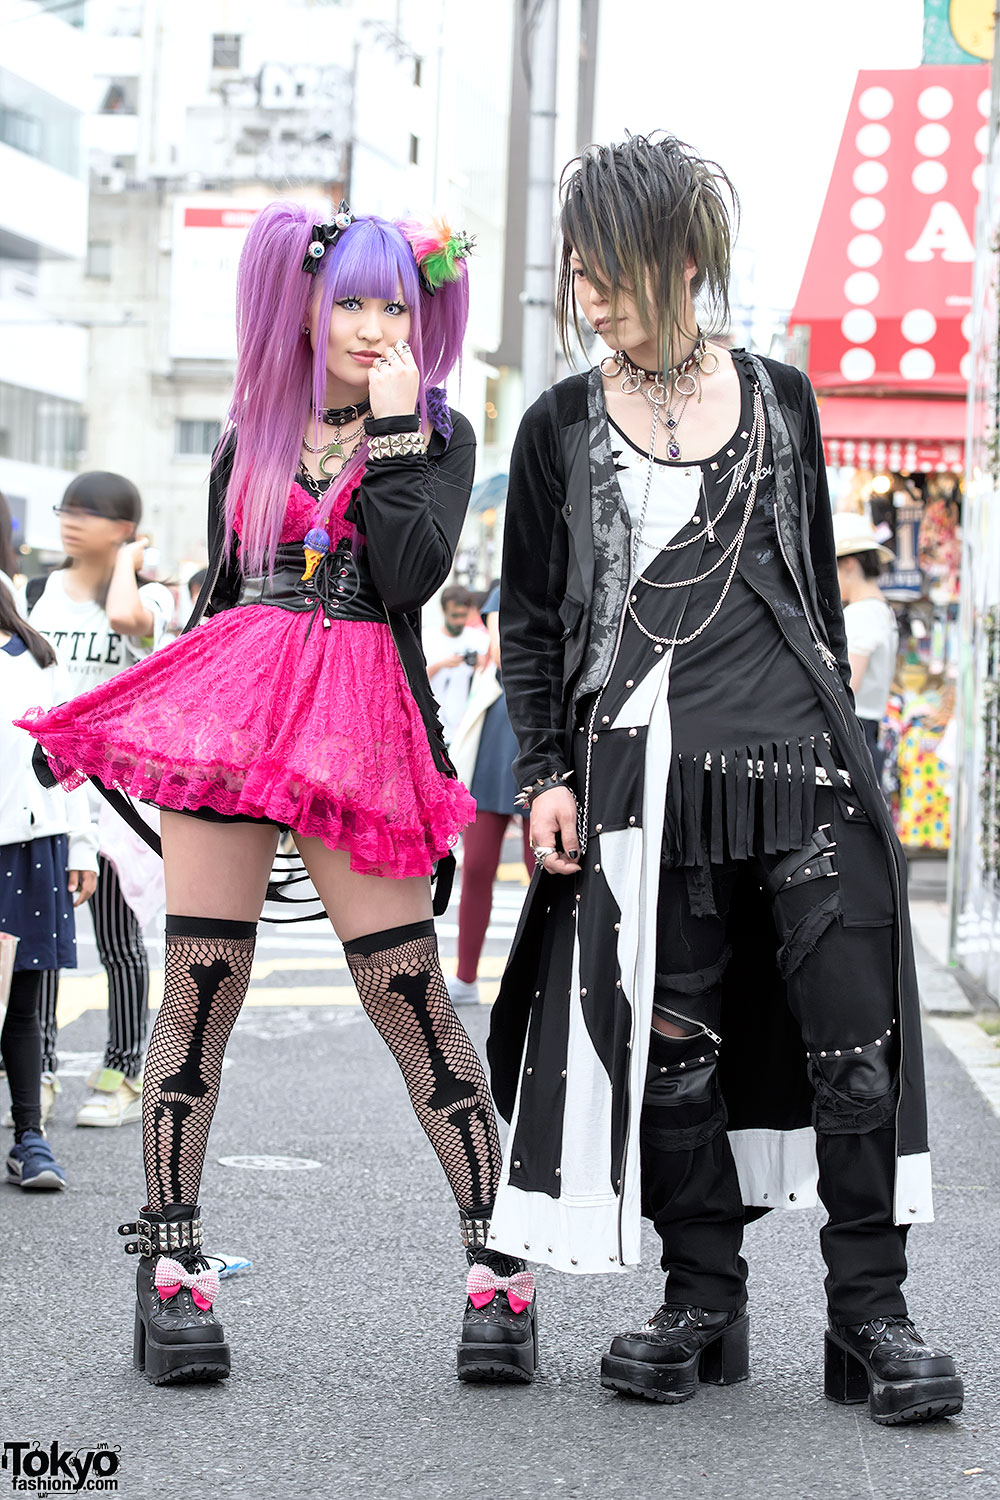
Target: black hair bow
<point x="325" y="236"/>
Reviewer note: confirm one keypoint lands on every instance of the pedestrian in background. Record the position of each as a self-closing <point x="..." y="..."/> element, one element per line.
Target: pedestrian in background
<point x="453" y="650"/>
<point x="8" y="556"/>
<point x="484" y="751"/>
<point x="872" y="632"/>
<point x="101" y="615"/>
<point x="48" y="865"/>
<point x="336" y="502"/>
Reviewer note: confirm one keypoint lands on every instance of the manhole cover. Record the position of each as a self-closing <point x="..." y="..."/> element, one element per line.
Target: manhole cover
<point x="271" y="1163"/>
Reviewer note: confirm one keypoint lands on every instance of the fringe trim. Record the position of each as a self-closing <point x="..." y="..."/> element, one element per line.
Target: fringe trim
<point x="721" y="803"/>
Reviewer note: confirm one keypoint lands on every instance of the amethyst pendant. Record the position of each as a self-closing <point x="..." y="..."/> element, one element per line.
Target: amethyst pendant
<point x="673" y="449"/>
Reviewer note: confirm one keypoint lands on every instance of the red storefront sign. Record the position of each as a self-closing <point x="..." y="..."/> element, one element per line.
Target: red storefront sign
<point x="887" y="291"/>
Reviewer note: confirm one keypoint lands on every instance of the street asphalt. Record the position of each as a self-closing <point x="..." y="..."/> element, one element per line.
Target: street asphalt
<point x="343" y="1333"/>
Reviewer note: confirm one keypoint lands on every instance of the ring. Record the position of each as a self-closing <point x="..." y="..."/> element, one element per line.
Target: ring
<point x="542" y="852"/>
<point x="402" y="346"/>
<point x="380" y="362"/>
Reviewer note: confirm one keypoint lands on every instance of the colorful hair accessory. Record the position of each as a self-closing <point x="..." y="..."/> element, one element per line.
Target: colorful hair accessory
<point x="437" y="250"/>
<point x="316" y="546"/>
<point x="325" y="236"/>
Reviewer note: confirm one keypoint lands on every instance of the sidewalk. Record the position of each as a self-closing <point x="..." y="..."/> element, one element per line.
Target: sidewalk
<point x="343" y="1333"/>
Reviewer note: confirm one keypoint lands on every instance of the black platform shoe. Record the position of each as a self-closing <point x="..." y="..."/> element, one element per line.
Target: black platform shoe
<point x="178" y="1339"/>
<point x="679" y="1346"/>
<point x="500" y="1328"/>
<point x="886" y="1363"/>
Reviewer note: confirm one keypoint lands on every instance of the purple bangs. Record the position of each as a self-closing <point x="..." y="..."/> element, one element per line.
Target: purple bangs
<point x="279" y="377"/>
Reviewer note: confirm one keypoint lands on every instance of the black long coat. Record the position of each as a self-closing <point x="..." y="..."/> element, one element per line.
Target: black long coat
<point x="564" y="583"/>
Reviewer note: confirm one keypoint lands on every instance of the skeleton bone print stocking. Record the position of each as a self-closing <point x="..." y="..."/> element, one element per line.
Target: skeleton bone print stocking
<point x="398" y="977"/>
<point x="207" y="974"/>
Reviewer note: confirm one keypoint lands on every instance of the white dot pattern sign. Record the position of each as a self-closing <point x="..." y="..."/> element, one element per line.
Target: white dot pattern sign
<point x="888" y="286"/>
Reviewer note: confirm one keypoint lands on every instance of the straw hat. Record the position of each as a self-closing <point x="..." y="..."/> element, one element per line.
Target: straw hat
<point x="853" y="533"/>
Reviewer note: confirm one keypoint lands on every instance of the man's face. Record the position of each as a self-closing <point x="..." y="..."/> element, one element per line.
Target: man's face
<point x="455" y="616"/>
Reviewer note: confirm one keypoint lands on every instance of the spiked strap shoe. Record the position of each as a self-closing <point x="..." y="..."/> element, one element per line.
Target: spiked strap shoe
<point x="178" y="1338"/>
<point x="676" y="1348"/>
<point x="500" y="1328"/>
<point x="886" y="1363"/>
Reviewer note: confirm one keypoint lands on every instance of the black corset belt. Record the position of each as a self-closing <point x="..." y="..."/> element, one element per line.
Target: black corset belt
<point x="341" y="587"/>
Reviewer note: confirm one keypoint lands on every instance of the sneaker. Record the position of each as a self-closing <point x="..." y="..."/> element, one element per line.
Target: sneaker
<point x="30" y="1164"/>
<point x="114" y="1099"/>
<point x="463" y="991"/>
<point x="50" y="1088"/>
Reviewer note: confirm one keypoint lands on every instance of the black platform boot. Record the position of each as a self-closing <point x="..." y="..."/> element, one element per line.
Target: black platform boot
<point x="886" y="1363"/>
<point x="178" y="1338"/>
<point x="679" y="1346"/>
<point x="500" y="1329"/>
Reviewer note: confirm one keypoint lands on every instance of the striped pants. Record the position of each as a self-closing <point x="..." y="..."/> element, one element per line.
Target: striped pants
<point x="123" y="955"/>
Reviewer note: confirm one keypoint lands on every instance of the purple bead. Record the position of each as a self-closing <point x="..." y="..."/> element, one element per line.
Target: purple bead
<point x="673" y="450"/>
<point x="671" y="422"/>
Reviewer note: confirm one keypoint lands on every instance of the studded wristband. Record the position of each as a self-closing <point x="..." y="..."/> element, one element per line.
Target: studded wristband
<point x="397" y="445"/>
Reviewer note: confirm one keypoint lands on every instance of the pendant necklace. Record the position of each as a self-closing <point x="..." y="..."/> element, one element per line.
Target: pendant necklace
<point x="333" y="450"/>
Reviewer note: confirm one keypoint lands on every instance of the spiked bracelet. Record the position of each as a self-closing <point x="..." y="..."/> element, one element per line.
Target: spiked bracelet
<point x="397" y="445"/>
<point x="527" y="794"/>
<point x="155" y="1238"/>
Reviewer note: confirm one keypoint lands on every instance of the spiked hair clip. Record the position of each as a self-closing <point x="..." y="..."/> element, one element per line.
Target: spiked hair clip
<point x="325" y="236"/>
<point x="438" y="251"/>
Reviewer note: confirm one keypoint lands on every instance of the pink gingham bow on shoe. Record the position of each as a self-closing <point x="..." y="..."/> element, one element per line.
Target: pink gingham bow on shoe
<point x="170" y="1276"/>
<point x="483" y="1284"/>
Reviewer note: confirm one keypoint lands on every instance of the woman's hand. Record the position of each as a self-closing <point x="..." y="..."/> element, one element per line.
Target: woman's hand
<point x="394" y="383"/>
<point x="552" y="813"/>
<point x="83" y="883"/>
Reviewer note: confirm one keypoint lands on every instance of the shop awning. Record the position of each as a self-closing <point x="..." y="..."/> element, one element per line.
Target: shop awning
<point x="894" y="433"/>
<point x="886" y="296"/>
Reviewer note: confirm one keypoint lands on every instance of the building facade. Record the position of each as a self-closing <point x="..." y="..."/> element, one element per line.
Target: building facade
<point x="44" y="96"/>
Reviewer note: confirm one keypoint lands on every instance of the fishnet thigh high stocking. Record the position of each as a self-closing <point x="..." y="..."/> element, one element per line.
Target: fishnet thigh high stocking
<point x="398" y="977"/>
<point x="206" y="977"/>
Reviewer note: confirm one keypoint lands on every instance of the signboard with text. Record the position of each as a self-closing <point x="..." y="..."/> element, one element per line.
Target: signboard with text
<point x="207" y="241"/>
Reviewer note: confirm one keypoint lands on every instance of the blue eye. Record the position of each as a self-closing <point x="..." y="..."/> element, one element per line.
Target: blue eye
<point x="346" y="301"/>
<point x="396" y="308"/>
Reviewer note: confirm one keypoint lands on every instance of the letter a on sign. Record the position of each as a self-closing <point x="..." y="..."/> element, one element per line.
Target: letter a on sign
<point x="944" y="231"/>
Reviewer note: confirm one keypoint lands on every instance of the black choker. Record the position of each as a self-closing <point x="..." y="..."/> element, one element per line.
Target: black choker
<point x="339" y="416"/>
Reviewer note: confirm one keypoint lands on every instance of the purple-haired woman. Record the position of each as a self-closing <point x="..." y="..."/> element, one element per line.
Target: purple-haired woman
<point x="336" y="501"/>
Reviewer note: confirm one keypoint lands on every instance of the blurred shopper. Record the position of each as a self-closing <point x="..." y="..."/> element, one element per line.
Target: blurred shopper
<point x="48" y="865"/>
<point x="195" y="584"/>
<point x="453" y="650"/>
<point x="484" y="752"/>
<point x="8" y="557"/>
<point x="872" y="632"/>
<point x="101" y="615"/>
<point x="721" y="910"/>
<point x="303" y="701"/>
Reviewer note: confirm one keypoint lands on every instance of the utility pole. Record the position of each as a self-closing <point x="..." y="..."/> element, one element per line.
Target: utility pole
<point x="537" y="323"/>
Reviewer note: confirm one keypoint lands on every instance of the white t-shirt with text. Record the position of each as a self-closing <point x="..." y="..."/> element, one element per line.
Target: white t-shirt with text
<point x="79" y="629"/>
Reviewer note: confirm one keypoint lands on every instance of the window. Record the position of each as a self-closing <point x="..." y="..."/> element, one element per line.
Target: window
<point x="418" y="71"/>
<point x="99" y="260"/>
<point x="121" y="97"/>
<point x="39" y="124"/>
<point x="226" y="49"/>
<point x="414" y="150"/>
<point x="195" y="439"/>
<point x="38" y="429"/>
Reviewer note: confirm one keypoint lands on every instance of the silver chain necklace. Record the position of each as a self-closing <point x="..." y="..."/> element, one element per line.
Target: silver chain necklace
<point x="757" y="432"/>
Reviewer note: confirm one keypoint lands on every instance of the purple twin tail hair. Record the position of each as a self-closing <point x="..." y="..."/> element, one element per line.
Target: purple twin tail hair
<point x="278" y="375"/>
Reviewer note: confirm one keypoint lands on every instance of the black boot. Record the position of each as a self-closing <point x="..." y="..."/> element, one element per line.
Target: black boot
<point x="178" y="1338"/>
<point x="679" y="1346"/>
<point x="886" y="1363"/>
<point x="500" y="1334"/>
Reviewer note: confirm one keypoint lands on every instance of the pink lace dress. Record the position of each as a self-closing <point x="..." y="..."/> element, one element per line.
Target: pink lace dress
<point x="254" y="714"/>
